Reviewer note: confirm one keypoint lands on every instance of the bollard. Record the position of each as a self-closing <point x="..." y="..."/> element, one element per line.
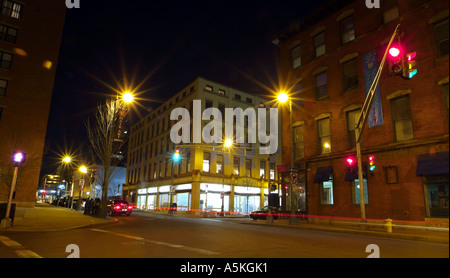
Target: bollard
<point x="388" y="225"/>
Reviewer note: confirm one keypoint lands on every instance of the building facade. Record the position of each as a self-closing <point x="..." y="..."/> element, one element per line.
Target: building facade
<point x="207" y="176"/>
<point x="28" y="60"/>
<point x="326" y="58"/>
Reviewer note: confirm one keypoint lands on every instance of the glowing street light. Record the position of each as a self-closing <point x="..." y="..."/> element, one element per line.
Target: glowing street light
<point x="283" y="97"/>
<point x="127" y="97"/>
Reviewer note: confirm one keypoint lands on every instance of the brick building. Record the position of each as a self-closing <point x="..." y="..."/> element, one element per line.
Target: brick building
<point x="322" y="60"/>
<point x="30" y="36"/>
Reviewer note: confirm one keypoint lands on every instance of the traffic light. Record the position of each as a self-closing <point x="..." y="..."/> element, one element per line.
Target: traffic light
<point x="371" y="163"/>
<point x="350" y="161"/>
<point x="409" y="71"/>
<point x="176" y="155"/>
<point x="396" y="60"/>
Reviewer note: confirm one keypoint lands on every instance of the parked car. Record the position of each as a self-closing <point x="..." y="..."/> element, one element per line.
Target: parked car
<point x="263" y="213"/>
<point x="118" y="207"/>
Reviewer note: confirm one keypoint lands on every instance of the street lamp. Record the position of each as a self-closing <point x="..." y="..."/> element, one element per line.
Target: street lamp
<point x="127" y="97"/>
<point x="283" y="97"/>
<point x="18" y="158"/>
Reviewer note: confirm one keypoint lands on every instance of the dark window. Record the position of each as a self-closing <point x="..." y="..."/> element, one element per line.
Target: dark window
<point x="5" y="60"/>
<point x="347" y="29"/>
<point x="321" y="85"/>
<point x="319" y="44"/>
<point x="441" y="37"/>
<point x="350" y="75"/>
<point x="401" y="118"/>
<point x="296" y="59"/>
<point x="3" y="86"/>
<point x="8" y="33"/>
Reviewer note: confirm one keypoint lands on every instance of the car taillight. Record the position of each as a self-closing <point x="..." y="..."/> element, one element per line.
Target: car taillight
<point x="130" y="207"/>
<point x="117" y="207"/>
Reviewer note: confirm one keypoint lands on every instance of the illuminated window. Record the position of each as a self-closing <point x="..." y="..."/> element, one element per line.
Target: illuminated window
<point x="323" y="133"/>
<point x="206" y="162"/>
<point x="326" y="192"/>
<point x="12" y="9"/>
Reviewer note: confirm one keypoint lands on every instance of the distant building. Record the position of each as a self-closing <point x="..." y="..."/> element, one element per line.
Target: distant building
<point x="30" y="37"/>
<point x="198" y="182"/>
<point x="323" y="56"/>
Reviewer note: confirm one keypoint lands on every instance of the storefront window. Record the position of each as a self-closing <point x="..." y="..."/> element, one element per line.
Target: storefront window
<point x="436" y="189"/>
<point x="356" y="200"/>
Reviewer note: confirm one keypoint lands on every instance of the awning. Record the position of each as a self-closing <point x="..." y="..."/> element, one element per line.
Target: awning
<point x="432" y="164"/>
<point x="323" y="174"/>
<point x="352" y="173"/>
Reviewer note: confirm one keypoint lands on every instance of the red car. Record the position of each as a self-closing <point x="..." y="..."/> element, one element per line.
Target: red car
<point x="118" y="207"/>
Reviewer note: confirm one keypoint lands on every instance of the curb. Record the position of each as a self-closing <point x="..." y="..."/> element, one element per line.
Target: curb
<point x="416" y="237"/>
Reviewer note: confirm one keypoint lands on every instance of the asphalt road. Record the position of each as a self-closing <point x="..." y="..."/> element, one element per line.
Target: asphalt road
<point x="158" y="236"/>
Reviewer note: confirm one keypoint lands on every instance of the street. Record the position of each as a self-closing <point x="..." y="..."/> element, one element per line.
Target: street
<point x="144" y="235"/>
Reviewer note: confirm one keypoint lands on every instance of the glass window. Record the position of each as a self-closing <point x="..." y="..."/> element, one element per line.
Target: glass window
<point x="319" y="44"/>
<point x="219" y="164"/>
<point x="8" y="33"/>
<point x="436" y="190"/>
<point x="12" y="9"/>
<point x="299" y="142"/>
<point x="248" y="167"/>
<point x="262" y="169"/>
<point x="441" y="37"/>
<point x="356" y="199"/>
<point x="401" y="117"/>
<point x="321" y="85"/>
<point x="236" y="165"/>
<point x="296" y="59"/>
<point x="323" y="129"/>
<point x="326" y="192"/>
<point x="350" y="74"/>
<point x="390" y="10"/>
<point x="188" y="162"/>
<point x="348" y="31"/>
<point x="206" y="162"/>
<point x="3" y="86"/>
<point x="5" y="60"/>
<point x="272" y="171"/>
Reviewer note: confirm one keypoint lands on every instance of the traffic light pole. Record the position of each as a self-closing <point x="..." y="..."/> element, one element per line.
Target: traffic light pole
<point x="362" y="120"/>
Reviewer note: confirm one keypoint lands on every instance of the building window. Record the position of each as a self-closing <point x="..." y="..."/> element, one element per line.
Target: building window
<point x="350" y="74"/>
<point x="390" y="10"/>
<point x="236" y="165"/>
<point x="347" y="29"/>
<point x="321" y="85"/>
<point x="8" y="33"/>
<point x="208" y="88"/>
<point x="323" y="132"/>
<point x="436" y="190"/>
<point x="248" y="167"/>
<point x="262" y="169"/>
<point x="188" y="162"/>
<point x="299" y="142"/>
<point x="5" y="60"/>
<point x="352" y="118"/>
<point x="221" y="92"/>
<point x="319" y="44"/>
<point x="295" y="55"/>
<point x="206" y="162"/>
<point x="12" y="9"/>
<point x="445" y="88"/>
<point x="401" y="118"/>
<point x="236" y="96"/>
<point x="208" y="103"/>
<point x="1" y="111"/>
<point x="356" y="199"/>
<point x="219" y="164"/>
<point x="4" y="85"/>
<point x="441" y="37"/>
<point x="272" y="171"/>
<point x="326" y="192"/>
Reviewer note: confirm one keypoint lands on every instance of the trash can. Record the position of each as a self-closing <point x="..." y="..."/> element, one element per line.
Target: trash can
<point x="12" y="212"/>
<point x="173" y="208"/>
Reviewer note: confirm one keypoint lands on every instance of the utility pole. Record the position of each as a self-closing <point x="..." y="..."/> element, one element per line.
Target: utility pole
<point x="362" y="120"/>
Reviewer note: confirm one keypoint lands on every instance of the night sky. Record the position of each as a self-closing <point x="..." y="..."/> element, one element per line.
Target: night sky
<point x="166" y="43"/>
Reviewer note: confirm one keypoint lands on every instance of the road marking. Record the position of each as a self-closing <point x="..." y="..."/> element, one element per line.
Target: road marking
<point x="193" y="249"/>
<point x="18" y="248"/>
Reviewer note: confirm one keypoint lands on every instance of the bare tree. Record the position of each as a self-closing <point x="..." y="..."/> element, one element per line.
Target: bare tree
<point x="103" y="134"/>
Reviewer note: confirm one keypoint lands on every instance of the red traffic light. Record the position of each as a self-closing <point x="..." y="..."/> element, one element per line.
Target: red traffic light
<point x="350" y="161"/>
<point x="394" y="51"/>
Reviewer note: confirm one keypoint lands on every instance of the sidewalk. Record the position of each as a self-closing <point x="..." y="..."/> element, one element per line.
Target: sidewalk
<point x="45" y="217"/>
<point x="399" y="231"/>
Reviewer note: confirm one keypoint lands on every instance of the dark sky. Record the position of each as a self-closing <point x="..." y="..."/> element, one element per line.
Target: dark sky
<point x="167" y="43"/>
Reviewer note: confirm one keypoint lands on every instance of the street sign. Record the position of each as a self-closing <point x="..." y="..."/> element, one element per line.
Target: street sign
<point x="294" y="176"/>
<point x="172" y="189"/>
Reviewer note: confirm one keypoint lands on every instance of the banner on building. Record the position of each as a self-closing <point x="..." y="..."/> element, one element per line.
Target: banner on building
<point x="375" y="117"/>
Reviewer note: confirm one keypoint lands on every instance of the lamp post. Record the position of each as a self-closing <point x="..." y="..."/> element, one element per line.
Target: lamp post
<point x="227" y="144"/>
<point x="18" y="158"/>
<point x="283" y="97"/>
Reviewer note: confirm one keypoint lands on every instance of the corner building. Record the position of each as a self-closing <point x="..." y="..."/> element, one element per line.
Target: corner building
<point x="325" y="59"/>
<point x="30" y="38"/>
<point x="206" y="174"/>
